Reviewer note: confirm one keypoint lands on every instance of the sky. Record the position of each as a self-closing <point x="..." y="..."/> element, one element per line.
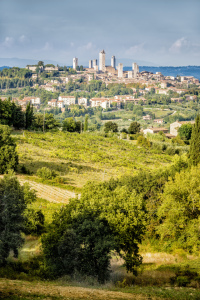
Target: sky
<point x="160" y="32"/>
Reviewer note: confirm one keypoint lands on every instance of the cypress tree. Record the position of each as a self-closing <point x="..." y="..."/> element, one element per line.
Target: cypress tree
<point x="194" y="153"/>
<point x="86" y="123"/>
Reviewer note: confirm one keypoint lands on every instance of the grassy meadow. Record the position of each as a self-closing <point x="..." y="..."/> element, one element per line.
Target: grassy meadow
<point x="79" y="158"/>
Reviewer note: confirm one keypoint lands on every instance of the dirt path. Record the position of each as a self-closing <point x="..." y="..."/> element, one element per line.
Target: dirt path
<point x="49" y="193"/>
<point x="48" y="291"/>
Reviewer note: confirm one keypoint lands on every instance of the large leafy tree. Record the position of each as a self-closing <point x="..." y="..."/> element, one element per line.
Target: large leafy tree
<point x="69" y="124"/>
<point x="134" y="128"/>
<point x="8" y="154"/>
<point x="29" y="116"/>
<point x="179" y="212"/>
<point x="185" y="131"/>
<point x="12" y="206"/>
<point x="107" y="217"/>
<point x="110" y="126"/>
<point x="194" y="152"/>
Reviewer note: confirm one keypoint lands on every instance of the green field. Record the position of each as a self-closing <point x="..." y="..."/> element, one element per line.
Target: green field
<point x="80" y="158"/>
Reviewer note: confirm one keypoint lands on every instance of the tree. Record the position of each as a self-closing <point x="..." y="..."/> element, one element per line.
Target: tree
<point x="69" y="124"/>
<point x="13" y="202"/>
<point x="29" y="116"/>
<point x="134" y="128"/>
<point x="185" y="132"/>
<point x="86" y="123"/>
<point x="110" y="126"/>
<point x="179" y="213"/>
<point x="81" y="244"/>
<point x="51" y="122"/>
<point x="18" y="117"/>
<point x="8" y="154"/>
<point x="106" y="217"/>
<point x="40" y="63"/>
<point x="194" y="153"/>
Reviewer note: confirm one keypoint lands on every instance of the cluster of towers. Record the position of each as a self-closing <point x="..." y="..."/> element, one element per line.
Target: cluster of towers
<point x="102" y="65"/>
<point x="102" y="62"/>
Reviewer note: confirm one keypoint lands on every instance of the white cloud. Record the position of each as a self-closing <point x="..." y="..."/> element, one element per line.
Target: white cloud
<point x="72" y="44"/>
<point x="179" y="45"/>
<point x="136" y="49"/>
<point x="47" y="47"/>
<point x="23" y="39"/>
<point x="8" y="42"/>
<point x="88" y="46"/>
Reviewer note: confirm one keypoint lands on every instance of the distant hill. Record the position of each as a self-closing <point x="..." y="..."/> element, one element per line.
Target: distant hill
<point x="22" y="63"/>
<point x="4" y="67"/>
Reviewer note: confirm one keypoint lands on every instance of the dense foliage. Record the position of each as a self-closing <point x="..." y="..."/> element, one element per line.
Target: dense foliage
<point x="8" y="154"/>
<point x="82" y="235"/>
<point x="14" y="215"/>
<point x="195" y="143"/>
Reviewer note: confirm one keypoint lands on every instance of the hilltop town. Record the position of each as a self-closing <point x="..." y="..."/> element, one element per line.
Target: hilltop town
<point x="65" y="90"/>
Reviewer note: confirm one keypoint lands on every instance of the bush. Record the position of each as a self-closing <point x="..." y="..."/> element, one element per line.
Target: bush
<point x="144" y="142"/>
<point x="46" y="173"/>
<point x="8" y="153"/>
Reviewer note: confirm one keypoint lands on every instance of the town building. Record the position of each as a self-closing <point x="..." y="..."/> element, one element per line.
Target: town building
<point x="155" y="130"/>
<point x="113" y="62"/>
<point x="135" y="69"/>
<point x="94" y="63"/>
<point x="60" y="104"/>
<point x="52" y="102"/>
<point x="120" y="70"/>
<point x="83" y="101"/>
<point x="130" y="74"/>
<point x="75" y="63"/>
<point x="90" y="64"/>
<point x="102" y="61"/>
<point x="67" y="100"/>
<point x="147" y="117"/>
<point x="103" y="102"/>
<point x="174" y="127"/>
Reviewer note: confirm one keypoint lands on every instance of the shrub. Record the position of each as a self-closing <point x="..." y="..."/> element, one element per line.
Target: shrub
<point x="46" y="173"/>
<point x="144" y="142"/>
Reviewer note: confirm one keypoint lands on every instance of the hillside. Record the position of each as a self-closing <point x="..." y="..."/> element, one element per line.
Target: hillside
<point x="79" y="158"/>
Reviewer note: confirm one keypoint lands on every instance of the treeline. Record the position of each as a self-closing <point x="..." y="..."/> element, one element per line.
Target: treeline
<point x="12" y="115"/>
<point x="16" y="72"/>
<point x="15" y="83"/>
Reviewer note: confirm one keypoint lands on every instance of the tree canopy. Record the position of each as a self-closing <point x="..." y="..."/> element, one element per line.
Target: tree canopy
<point x="110" y="126"/>
<point x="134" y="128"/>
<point x="105" y="218"/>
<point x="194" y="152"/>
<point x="8" y="154"/>
<point x="13" y="203"/>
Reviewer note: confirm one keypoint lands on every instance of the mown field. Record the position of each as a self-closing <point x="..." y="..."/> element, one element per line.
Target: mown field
<point x="80" y="158"/>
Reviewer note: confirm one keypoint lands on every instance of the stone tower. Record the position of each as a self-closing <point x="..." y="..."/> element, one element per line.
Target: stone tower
<point x="113" y="62"/>
<point x="120" y="70"/>
<point x="102" y="61"/>
<point x="75" y="63"/>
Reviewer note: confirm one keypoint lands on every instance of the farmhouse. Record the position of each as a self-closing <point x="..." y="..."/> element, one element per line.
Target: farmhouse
<point x="176" y="125"/>
<point x="155" y="130"/>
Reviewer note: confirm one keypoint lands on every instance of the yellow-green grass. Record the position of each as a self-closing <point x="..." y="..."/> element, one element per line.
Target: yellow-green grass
<point x="80" y="158"/>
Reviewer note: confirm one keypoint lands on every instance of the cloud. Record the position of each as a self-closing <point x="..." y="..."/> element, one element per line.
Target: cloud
<point x="23" y="39"/>
<point x="8" y="42"/>
<point x="88" y="46"/>
<point x="136" y="49"/>
<point x="179" y="45"/>
<point x="47" y="47"/>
